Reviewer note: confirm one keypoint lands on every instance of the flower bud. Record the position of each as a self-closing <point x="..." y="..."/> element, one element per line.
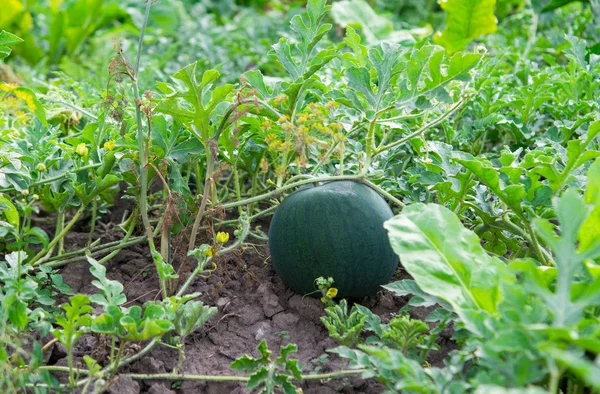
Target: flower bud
<point x="222" y="237"/>
<point x="82" y="150"/>
<point x="109" y="145"/>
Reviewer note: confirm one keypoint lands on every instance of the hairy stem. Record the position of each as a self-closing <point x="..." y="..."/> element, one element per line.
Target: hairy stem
<point x="93" y="224"/>
<point x="207" y="181"/>
<point x="36" y="260"/>
<point x="232" y="378"/>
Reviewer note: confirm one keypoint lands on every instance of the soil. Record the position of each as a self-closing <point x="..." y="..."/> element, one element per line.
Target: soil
<point x="253" y="304"/>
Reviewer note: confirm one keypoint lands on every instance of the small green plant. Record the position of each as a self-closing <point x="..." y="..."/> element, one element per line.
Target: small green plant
<point x="265" y="374"/>
<point x="74" y="323"/>
<point x="344" y="326"/>
<point x="283" y="335"/>
<point x="320" y="362"/>
<point x="328" y="292"/>
<point x="406" y="333"/>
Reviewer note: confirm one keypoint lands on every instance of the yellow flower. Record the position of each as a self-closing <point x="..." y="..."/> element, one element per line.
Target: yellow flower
<point x="336" y="126"/>
<point x="264" y="165"/>
<point x="302" y="118"/>
<point x="40" y="167"/>
<point x="109" y="145"/>
<point x="275" y="145"/>
<point x="270" y="137"/>
<point x="10" y="103"/>
<point x="8" y="87"/>
<point x="27" y="98"/>
<point x="25" y="192"/>
<point x="82" y="150"/>
<point x="280" y="99"/>
<point x="332" y="292"/>
<point x="286" y="146"/>
<point x="283" y="119"/>
<point x="222" y="237"/>
<point x="209" y="251"/>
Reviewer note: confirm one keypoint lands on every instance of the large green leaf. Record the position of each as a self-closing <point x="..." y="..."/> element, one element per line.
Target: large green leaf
<point x="446" y="260"/>
<point x="465" y="21"/>
<point x="193" y="103"/>
<point x="359" y="14"/>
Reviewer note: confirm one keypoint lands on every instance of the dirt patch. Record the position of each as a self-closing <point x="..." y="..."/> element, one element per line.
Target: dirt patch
<point x="253" y="304"/>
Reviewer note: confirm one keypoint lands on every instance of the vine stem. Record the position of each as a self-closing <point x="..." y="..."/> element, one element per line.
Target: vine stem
<point x="142" y="149"/>
<point x="423" y="129"/>
<point x="37" y="259"/>
<point x="60" y="223"/>
<point x="113" y="250"/>
<point x="118" y="357"/>
<point x="56" y="178"/>
<point x="359" y="178"/>
<point x="207" y="185"/>
<point x="117" y="364"/>
<point x="233" y="378"/>
<point x="62" y="369"/>
<point x="110" y="246"/>
<point x="93" y="224"/>
<point x="75" y="107"/>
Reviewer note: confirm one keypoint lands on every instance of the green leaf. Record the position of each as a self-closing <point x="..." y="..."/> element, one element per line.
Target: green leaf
<point x="410" y="287"/>
<point x="245" y="363"/>
<point x="201" y="98"/>
<point x="191" y="316"/>
<point x="570" y="297"/>
<point x="154" y="322"/>
<point x="111" y="291"/>
<point x="358" y="14"/>
<point x="16" y="310"/>
<point x="165" y="270"/>
<point x="310" y="31"/>
<point x="511" y="195"/>
<point x="359" y="79"/>
<point x="102" y="185"/>
<point x="446" y="260"/>
<point x="7" y="39"/>
<point x="257" y="80"/>
<point x="554" y="4"/>
<point x="490" y="389"/>
<point x="76" y="317"/>
<point x="576" y="364"/>
<point x="589" y="232"/>
<point x="406" y="332"/>
<point x="10" y="212"/>
<point x="359" y="55"/>
<point x="36" y="233"/>
<point x="465" y="21"/>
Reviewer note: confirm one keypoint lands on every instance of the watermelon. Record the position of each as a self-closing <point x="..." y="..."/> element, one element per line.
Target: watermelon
<point x="333" y="230"/>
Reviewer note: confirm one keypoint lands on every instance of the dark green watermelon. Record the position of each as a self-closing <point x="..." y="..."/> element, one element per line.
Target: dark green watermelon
<point x="333" y="230"/>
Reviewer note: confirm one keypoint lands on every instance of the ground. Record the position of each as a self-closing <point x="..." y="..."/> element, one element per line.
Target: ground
<point x="253" y="304"/>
